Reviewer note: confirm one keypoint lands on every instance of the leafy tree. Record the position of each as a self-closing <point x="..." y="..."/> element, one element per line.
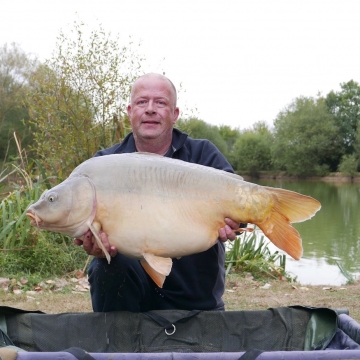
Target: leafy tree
<point x="345" y="106"/>
<point x="199" y="129"/>
<point x="80" y="97"/>
<point x="306" y="138"/>
<point x="16" y="68"/>
<point x="261" y="127"/>
<point x="348" y="165"/>
<point x="252" y="149"/>
<point x="230" y="136"/>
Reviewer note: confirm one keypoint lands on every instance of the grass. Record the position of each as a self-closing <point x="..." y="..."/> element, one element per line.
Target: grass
<point x="250" y="253"/>
<point x="24" y="250"/>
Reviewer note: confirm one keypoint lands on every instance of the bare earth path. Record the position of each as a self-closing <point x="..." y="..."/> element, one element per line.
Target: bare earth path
<point x="240" y="294"/>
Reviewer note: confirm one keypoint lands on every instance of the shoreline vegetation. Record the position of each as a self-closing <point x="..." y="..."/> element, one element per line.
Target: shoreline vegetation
<point x="337" y="177"/>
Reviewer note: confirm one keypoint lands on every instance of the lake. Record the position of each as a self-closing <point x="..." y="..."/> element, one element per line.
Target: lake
<point x="332" y="235"/>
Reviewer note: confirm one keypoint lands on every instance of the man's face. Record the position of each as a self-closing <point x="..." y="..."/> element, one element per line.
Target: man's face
<point x="152" y="110"/>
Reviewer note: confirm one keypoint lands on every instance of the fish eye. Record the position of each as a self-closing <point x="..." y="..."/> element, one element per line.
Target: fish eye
<point x="52" y="197"/>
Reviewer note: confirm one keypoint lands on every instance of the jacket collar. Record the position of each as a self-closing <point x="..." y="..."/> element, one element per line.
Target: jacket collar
<point x="178" y="140"/>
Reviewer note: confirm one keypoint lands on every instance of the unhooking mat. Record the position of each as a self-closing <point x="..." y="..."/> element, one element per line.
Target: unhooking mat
<point x="156" y="334"/>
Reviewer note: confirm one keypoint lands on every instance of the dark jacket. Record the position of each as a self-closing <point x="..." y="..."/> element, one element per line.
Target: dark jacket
<point x="196" y="281"/>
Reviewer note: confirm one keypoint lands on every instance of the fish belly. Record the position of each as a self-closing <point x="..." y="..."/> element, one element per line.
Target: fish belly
<point x="161" y="206"/>
<point x="163" y="228"/>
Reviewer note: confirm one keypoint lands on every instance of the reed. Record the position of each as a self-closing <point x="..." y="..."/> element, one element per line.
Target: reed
<point x="249" y="253"/>
<point x="350" y="278"/>
<point x="15" y="227"/>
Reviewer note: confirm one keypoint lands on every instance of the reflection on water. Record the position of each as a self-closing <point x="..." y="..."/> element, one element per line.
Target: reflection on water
<point x="332" y="235"/>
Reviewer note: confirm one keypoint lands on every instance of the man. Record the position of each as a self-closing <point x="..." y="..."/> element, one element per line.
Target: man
<point x="195" y="281"/>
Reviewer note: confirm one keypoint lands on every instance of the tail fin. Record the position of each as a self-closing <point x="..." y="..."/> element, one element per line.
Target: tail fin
<point x="289" y="207"/>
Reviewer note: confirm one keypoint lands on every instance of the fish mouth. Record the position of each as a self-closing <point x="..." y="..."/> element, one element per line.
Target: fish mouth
<point x="34" y="219"/>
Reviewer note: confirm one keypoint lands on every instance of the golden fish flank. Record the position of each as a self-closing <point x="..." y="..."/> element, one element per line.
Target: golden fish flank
<point x="251" y="200"/>
<point x="183" y="206"/>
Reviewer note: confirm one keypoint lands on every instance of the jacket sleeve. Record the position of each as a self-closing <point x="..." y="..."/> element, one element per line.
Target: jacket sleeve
<point x="206" y="153"/>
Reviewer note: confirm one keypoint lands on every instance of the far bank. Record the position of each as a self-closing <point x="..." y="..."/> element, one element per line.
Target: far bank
<point x="332" y="177"/>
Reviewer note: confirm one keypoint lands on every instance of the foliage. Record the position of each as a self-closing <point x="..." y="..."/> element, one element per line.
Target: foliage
<point x="23" y="248"/>
<point x="250" y="254"/>
<point x="252" y="150"/>
<point x="199" y="129"/>
<point x="306" y="138"/>
<point x="16" y="68"/>
<point x="345" y="106"/>
<point x="229" y="135"/>
<point x="349" y="165"/>
<point x="80" y="97"/>
<point x="16" y="233"/>
<point x="15" y="227"/>
<point x="51" y="255"/>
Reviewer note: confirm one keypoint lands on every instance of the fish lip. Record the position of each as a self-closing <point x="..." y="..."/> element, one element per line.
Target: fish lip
<point x="34" y="219"/>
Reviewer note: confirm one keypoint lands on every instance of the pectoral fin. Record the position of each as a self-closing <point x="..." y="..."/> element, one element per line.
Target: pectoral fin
<point x="95" y="229"/>
<point x="157" y="267"/>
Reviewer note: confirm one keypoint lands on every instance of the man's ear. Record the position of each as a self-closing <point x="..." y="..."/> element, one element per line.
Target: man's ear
<point x="128" y="109"/>
<point x="176" y="114"/>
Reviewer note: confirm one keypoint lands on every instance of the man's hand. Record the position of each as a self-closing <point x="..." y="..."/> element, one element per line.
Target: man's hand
<point x="228" y="231"/>
<point x="92" y="248"/>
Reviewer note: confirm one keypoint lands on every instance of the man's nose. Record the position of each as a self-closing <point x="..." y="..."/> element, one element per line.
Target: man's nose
<point x="150" y="108"/>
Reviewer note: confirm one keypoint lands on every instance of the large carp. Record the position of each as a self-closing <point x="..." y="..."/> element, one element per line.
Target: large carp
<point x="155" y="208"/>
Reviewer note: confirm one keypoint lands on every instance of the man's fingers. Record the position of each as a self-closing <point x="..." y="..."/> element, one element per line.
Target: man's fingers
<point x="230" y="233"/>
<point x="91" y="246"/>
<point x="233" y="224"/>
<point x="78" y="242"/>
<point x="222" y="235"/>
<point x="113" y="251"/>
<point x="227" y="232"/>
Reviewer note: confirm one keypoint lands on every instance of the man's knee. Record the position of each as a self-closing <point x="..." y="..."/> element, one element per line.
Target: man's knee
<point x="119" y="268"/>
<point x="120" y="285"/>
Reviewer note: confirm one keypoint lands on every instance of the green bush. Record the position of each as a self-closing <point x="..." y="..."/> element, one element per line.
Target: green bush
<point x="51" y="255"/>
<point x="348" y="165"/>
<point x="25" y="249"/>
<point x="250" y="254"/>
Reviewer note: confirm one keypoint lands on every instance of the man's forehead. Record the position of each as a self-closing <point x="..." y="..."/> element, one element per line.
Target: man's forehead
<point x="153" y="84"/>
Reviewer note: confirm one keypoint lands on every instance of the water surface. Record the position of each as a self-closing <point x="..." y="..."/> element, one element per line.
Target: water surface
<point x="332" y="235"/>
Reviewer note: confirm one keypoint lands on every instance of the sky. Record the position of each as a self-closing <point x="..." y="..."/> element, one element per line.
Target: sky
<point x="238" y="61"/>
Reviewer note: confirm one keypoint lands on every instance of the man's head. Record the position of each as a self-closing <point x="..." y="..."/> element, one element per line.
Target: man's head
<point x="159" y="77"/>
<point x="152" y="110"/>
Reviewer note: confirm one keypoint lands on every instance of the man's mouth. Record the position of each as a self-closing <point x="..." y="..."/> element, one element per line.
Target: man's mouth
<point x="151" y="122"/>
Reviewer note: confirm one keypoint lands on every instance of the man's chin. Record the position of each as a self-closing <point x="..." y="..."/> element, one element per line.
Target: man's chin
<point x="150" y="133"/>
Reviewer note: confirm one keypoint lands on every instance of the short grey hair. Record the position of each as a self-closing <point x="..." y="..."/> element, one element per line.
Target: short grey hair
<point x="159" y="75"/>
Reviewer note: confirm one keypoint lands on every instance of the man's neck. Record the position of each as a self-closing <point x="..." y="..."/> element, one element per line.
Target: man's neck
<point x="152" y="147"/>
